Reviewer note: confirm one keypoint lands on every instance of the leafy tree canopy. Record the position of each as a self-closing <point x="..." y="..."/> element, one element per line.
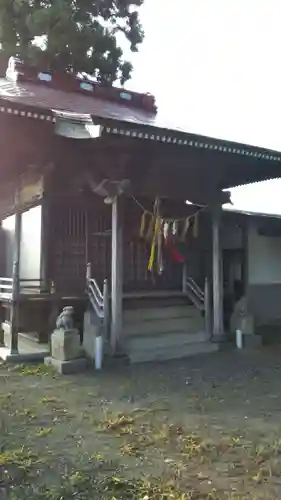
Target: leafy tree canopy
<point x="73" y="35"/>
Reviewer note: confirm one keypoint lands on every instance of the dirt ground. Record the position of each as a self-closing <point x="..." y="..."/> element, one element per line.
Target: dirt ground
<point x="204" y="428"/>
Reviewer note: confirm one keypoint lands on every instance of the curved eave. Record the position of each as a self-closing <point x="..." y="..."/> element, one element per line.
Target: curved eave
<point x="13" y="108"/>
<point x="128" y="129"/>
<point x="190" y="140"/>
<point x="65" y="123"/>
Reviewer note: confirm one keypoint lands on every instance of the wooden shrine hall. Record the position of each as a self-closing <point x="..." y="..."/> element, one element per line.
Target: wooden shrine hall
<point x="93" y="206"/>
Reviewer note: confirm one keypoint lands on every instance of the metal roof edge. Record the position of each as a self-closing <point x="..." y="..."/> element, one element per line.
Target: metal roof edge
<point x="147" y="131"/>
<point x="10" y="107"/>
<point x="251" y="214"/>
<point x="179" y="137"/>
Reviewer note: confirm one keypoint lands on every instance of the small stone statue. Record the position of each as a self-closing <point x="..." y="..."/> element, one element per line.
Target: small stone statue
<point x="65" y="320"/>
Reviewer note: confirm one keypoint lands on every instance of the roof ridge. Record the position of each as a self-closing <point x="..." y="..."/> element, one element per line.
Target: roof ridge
<point x="20" y="71"/>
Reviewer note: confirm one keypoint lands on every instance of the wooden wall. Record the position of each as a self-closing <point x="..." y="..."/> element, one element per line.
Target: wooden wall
<point x="77" y="235"/>
<point x="80" y="232"/>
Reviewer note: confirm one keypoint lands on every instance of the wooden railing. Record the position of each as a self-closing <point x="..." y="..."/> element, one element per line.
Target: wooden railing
<point x="24" y="286"/>
<point x="99" y="301"/>
<point x="200" y="298"/>
<point x="193" y="290"/>
<point x="6" y="287"/>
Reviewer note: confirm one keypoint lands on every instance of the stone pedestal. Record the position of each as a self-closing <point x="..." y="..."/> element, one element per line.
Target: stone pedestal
<point x="65" y="344"/>
<point x="66" y="352"/>
<point x="70" y="367"/>
<point x="242" y="319"/>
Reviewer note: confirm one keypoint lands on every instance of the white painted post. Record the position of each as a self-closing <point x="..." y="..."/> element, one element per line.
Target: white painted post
<point x="239" y="339"/>
<point x="89" y="271"/>
<point x="218" y="329"/>
<point x="116" y="275"/>
<point x="98" y="352"/>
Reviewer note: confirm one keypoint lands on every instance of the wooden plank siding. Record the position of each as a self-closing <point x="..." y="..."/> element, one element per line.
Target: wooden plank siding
<point x="80" y="232"/>
<point x="75" y="238"/>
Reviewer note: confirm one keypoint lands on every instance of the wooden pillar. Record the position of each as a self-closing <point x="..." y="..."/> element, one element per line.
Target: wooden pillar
<point x="245" y="262"/>
<point x="218" y="329"/>
<point x="16" y="285"/>
<point x="45" y="241"/>
<point x="116" y="274"/>
<point x="184" y="277"/>
<point x="207" y="308"/>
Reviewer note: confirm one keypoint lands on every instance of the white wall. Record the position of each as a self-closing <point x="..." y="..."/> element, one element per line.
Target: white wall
<point x="264" y="258"/>
<point x="30" y="250"/>
<point x="231" y="236"/>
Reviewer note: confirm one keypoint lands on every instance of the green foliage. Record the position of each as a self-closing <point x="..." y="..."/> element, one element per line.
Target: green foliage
<point x="75" y="35"/>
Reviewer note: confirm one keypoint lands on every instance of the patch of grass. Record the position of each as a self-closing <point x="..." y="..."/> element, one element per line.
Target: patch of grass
<point x="130" y="449"/>
<point x="21" y="457"/>
<point x="43" y="432"/>
<point x="144" y="489"/>
<point x="7" y="395"/>
<point x="117" y="422"/>
<point x="34" y="369"/>
<point x="26" y="414"/>
<point x="50" y="399"/>
<point x="16" y="466"/>
<point x="103" y="447"/>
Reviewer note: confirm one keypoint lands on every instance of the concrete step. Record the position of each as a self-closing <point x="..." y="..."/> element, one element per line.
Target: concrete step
<point x="160" y="340"/>
<point x="169" y="312"/>
<point x="156" y="301"/>
<point x="153" y="327"/>
<point x="167" y="353"/>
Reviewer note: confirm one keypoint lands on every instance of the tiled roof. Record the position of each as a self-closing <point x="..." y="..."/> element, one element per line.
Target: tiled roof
<point x="42" y="101"/>
<point x="46" y="98"/>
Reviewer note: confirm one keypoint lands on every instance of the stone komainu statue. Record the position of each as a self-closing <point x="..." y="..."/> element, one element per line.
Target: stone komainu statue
<point x="65" y="320"/>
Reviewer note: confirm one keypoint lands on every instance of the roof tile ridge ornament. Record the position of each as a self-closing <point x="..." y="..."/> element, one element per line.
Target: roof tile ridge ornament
<point x="20" y="71"/>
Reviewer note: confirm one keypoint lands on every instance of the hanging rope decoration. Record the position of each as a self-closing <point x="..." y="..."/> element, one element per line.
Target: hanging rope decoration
<point x="164" y="232"/>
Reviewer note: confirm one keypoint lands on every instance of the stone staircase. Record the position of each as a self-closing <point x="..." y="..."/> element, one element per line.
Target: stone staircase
<point x="164" y="329"/>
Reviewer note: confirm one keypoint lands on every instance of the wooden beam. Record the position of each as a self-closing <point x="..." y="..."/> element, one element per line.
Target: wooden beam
<point x="116" y="274"/>
<point x="218" y="328"/>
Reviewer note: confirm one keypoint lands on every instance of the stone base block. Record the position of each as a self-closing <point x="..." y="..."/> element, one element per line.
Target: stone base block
<point x="252" y="341"/>
<point x="248" y="342"/>
<point x="72" y="366"/>
<point x="33" y="357"/>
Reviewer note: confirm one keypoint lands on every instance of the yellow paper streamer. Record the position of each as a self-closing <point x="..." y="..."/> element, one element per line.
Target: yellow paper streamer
<point x="153" y="246"/>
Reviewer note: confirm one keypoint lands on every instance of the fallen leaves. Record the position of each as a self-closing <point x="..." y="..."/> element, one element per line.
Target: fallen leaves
<point x="35" y="370"/>
<point x="43" y="432"/>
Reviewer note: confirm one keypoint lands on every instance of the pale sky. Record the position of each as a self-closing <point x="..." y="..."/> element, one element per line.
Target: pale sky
<point x="214" y="67"/>
<point x="263" y="197"/>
